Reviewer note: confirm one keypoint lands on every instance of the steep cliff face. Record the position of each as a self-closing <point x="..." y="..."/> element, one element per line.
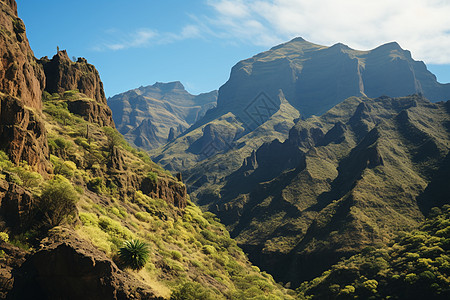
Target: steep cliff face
<point x="62" y="74"/>
<point x="314" y="78"/>
<point x="22" y="132"/>
<point x="20" y="75"/>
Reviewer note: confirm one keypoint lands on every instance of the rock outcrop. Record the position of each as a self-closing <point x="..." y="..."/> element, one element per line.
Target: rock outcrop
<point x="171" y="191"/>
<point x="20" y="75"/>
<point x="91" y="111"/>
<point x="62" y="74"/>
<point x="12" y="257"/>
<point x="68" y="267"/>
<point x="16" y="205"/>
<point x="23" y="136"/>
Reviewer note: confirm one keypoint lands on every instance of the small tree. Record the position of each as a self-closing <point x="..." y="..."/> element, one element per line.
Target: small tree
<point x="58" y="201"/>
<point x="113" y="136"/>
<point x="134" y="254"/>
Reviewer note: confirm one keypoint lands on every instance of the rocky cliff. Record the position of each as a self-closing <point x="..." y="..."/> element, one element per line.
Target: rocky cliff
<point x="314" y="78"/>
<point x="22" y="79"/>
<point x="62" y="74"/>
<point x="151" y="116"/>
<point x="20" y="75"/>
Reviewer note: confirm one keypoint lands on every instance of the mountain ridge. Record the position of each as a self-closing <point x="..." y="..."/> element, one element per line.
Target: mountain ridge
<point x="168" y="107"/>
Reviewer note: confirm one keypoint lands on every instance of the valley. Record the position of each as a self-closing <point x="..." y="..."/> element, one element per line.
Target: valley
<point x="313" y="172"/>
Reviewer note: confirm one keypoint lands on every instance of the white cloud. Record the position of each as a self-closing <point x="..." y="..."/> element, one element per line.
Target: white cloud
<point x="422" y="26"/>
<point x="120" y="41"/>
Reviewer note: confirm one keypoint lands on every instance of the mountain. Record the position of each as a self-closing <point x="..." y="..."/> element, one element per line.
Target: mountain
<point x="83" y="215"/>
<point x="151" y="116"/>
<point x="266" y="94"/>
<point x="348" y="179"/>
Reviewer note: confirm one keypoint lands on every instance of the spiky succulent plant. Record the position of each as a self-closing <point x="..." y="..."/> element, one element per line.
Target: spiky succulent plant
<point x="134" y="254"/>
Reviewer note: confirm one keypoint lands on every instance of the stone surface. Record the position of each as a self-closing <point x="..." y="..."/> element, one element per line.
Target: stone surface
<point x="62" y="74"/>
<point x="16" y="206"/>
<point x="91" y="111"/>
<point x="171" y="191"/>
<point x="71" y="268"/>
<point x="23" y="135"/>
<point x="20" y="75"/>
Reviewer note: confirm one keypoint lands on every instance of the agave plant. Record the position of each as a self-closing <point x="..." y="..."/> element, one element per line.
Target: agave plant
<point x="134" y="254"/>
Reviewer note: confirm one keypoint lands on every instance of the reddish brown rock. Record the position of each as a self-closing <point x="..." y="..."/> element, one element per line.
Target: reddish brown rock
<point x="62" y="74"/>
<point x="13" y="257"/>
<point x="172" y="191"/>
<point x="92" y="111"/>
<point x="23" y="135"/>
<point x="16" y="205"/>
<point x="20" y="75"/>
<point x="71" y="268"/>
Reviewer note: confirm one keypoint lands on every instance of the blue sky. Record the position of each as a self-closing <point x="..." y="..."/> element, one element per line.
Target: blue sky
<point x="140" y="42"/>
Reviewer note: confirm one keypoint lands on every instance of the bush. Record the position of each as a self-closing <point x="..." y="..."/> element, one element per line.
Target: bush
<point x="96" y="185"/>
<point x="58" y="201"/>
<point x="192" y="291"/>
<point x="152" y="176"/>
<point x="134" y="254"/>
<point x="115" y="139"/>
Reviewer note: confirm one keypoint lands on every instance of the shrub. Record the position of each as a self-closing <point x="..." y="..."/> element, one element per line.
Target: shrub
<point x="192" y="291"/>
<point x="176" y="254"/>
<point x="58" y="201"/>
<point x="4" y="236"/>
<point x="96" y="185"/>
<point x="152" y="176"/>
<point x="134" y="254"/>
<point x="114" y="138"/>
<point x="143" y="216"/>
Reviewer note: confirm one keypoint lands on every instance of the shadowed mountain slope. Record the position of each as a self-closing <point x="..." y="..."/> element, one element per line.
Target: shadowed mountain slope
<point x="348" y="179"/>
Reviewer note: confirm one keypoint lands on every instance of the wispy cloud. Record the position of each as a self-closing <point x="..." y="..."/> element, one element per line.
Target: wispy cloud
<point x="422" y="26"/>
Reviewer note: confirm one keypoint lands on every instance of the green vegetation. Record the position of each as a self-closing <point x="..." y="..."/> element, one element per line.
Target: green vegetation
<point x="191" y="253"/>
<point x="152" y="176"/>
<point x="134" y="254"/>
<point x="192" y="291"/>
<point x="58" y="201"/>
<point x="416" y="265"/>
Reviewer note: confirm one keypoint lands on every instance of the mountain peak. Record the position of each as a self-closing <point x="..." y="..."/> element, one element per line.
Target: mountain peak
<point x="340" y="46"/>
<point x="169" y="85"/>
<point x="389" y="46"/>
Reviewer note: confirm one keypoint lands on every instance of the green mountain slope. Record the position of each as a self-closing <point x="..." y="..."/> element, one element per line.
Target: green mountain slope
<point x="350" y="178"/>
<point x="414" y="266"/>
<point x="72" y="192"/>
